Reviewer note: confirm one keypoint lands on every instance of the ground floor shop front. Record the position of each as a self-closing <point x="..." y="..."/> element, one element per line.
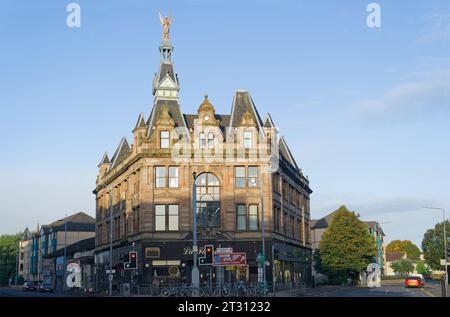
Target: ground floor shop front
<point x="160" y="263"/>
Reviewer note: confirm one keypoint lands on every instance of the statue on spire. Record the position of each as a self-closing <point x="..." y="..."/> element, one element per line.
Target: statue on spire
<point x="165" y="21"/>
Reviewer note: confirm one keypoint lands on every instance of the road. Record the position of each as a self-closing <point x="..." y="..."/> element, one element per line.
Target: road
<point x="388" y="289"/>
<point x="12" y="292"/>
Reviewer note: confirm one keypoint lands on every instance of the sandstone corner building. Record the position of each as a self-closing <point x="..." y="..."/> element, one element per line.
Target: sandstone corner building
<point x="152" y="194"/>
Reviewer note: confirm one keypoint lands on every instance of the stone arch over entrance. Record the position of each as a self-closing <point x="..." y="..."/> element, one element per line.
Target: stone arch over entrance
<point x="208" y="207"/>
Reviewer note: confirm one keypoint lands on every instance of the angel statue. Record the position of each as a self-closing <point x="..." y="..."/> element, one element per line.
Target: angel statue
<point x="165" y="21"/>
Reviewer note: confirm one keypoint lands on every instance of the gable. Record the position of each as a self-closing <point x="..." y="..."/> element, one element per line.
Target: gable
<point x="167" y="83"/>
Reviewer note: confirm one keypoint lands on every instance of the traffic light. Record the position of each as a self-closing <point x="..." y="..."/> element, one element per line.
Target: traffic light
<point x="132" y="261"/>
<point x="448" y="253"/>
<point x="208" y="258"/>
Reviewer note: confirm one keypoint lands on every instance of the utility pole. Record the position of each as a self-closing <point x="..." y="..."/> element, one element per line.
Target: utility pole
<point x="110" y="241"/>
<point x="65" y="256"/>
<point x="195" y="275"/>
<point x="17" y="264"/>
<point x="263" y="228"/>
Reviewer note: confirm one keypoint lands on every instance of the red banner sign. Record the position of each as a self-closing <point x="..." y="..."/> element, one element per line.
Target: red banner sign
<point x="228" y="259"/>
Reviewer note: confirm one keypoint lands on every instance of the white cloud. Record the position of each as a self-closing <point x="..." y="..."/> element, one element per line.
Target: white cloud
<point x="437" y="30"/>
<point x="427" y="96"/>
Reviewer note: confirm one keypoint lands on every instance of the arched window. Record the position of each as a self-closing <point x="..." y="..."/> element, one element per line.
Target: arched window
<point x="210" y="140"/>
<point x="202" y="140"/>
<point x="208" y="200"/>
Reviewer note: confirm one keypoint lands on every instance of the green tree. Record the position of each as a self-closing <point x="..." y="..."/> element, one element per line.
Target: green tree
<point x="433" y="245"/>
<point x="421" y="268"/>
<point x="403" y="266"/>
<point x="8" y="256"/>
<point x="346" y="247"/>
<point x="406" y="246"/>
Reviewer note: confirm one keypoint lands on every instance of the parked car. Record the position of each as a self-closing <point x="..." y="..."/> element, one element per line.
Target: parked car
<point x="420" y="276"/>
<point x="413" y="281"/>
<point x="29" y="286"/>
<point x="46" y="287"/>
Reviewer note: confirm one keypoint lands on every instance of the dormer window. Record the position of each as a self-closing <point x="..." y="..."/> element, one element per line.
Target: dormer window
<point x="202" y="140"/>
<point x="248" y="139"/>
<point x="210" y="140"/>
<point x="164" y="139"/>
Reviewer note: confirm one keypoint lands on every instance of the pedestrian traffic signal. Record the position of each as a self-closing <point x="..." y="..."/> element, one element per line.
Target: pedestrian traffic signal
<point x="132" y="261"/>
<point x="208" y="258"/>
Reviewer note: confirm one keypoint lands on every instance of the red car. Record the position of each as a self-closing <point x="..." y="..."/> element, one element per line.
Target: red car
<point x="413" y="281"/>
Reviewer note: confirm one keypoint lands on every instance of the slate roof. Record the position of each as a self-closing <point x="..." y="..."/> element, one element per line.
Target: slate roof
<point x="224" y="121"/>
<point x="286" y="153"/>
<point x="268" y="123"/>
<point x="242" y="102"/>
<point x="105" y="159"/>
<point x="140" y="121"/>
<point x="78" y="217"/>
<point x="82" y="245"/>
<point x="167" y="68"/>
<point x="174" y="112"/>
<point x="121" y="153"/>
<point x="324" y="222"/>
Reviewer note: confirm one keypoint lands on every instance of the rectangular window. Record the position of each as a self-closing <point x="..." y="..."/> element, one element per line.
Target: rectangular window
<point x="202" y="140"/>
<point x="239" y="177"/>
<point x="173" y="217"/>
<point x="241" y="217"/>
<point x="252" y="176"/>
<point x="160" y="176"/>
<point x="164" y="138"/>
<point x="248" y="139"/>
<point x="253" y="217"/>
<point x="173" y="176"/>
<point x="160" y="217"/>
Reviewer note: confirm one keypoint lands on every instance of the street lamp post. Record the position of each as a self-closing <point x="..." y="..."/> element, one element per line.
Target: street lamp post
<point x="445" y="246"/>
<point x="263" y="230"/>
<point x="195" y="275"/>
<point x="65" y="256"/>
<point x="110" y="276"/>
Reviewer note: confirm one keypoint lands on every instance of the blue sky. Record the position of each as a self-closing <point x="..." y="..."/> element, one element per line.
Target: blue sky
<point x="365" y="111"/>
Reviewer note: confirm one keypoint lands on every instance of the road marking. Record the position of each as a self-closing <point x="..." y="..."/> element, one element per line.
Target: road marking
<point x="427" y="292"/>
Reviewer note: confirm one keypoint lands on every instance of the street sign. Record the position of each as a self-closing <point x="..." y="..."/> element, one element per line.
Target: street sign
<point x="110" y="271"/>
<point x="228" y="259"/>
<point x="224" y="250"/>
<point x="261" y="258"/>
<point x="443" y="262"/>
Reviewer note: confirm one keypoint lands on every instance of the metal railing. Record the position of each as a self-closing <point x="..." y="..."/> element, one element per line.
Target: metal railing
<point x="205" y="290"/>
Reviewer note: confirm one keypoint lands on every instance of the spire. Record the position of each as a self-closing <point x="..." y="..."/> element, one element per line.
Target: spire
<point x="165" y="83"/>
<point x="166" y="47"/>
<point x="140" y="122"/>
<point x="105" y="159"/>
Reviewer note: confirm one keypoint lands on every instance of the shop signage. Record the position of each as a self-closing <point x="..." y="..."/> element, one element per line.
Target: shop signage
<point x="228" y="259"/>
<point x="188" y="251"/>
<point x="224" y="250"/>
<point x="152" y="253"/>
<point x="173" y="271"/>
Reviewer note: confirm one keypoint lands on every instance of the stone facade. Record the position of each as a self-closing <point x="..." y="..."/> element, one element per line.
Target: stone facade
<point x="151" y="190"/>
